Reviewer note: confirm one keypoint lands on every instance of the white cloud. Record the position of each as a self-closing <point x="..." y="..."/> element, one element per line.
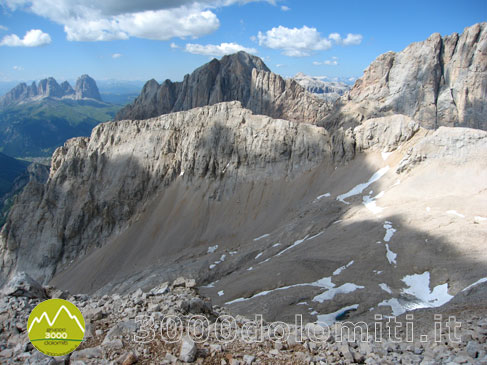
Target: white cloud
<point x="217" y="50"/>
<point x="18" y="68"/>
<point x="301" y="42"/>
<point x="285" y="8"/>
<point x="2" y="27"/>
<point x="116" y="55"/>
<point x="174" y="45"/>
<point x="351" y="39"/>
<point x="93" y="20"/>
<point x="33" y="38"/>
<point x="331" y="62"/>
<point x="294" y="42"/>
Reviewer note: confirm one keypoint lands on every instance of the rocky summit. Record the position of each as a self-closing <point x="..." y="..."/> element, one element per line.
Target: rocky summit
<point x="241" y="187"/>
<point x="438" y="82"/>
<point x="238" y="77"/>
<point x="85" y="88"/>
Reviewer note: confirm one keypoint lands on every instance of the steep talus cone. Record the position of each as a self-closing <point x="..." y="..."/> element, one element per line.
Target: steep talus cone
<point x="441" y="81"/>
<point x="97" y="184"/>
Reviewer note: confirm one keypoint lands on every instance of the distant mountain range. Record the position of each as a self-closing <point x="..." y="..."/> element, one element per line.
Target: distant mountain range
<point x="36" y="119"/>
<point x="49" y="88"/>
<point x="328" y="89"/>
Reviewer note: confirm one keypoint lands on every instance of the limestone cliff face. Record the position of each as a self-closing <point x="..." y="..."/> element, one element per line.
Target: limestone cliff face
<point x="97" y="184"/>
<point x="238" y="77"/>
<point x="85" y="89"/>
<point x="441" y="81"/>
<point x="271" y="95"/>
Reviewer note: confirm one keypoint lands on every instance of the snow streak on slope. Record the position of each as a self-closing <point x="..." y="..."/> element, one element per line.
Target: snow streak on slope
<point x="361" y="187"/>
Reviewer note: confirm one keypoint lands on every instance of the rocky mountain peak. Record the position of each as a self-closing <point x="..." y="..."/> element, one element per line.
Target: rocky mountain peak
<point x="439" y="82"/>
<point x="236" y="77"/>
<point x="67" y="88"/>
<point x="49" y="88"/>
<point x="86" y="88"/>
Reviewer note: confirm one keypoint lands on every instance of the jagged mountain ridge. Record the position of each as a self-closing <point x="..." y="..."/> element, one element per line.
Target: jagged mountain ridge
<point x="85" y="88"/>
<point x="201" y="192"/>
<point x="441" y="81"/>
<point x="238" y="77"/>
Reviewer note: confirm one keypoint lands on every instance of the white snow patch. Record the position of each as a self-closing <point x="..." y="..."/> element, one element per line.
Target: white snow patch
<point x="454" y="212"/>
<point x="338" y="221"/>
<point x="370" y="203"/>
<point x="361" y="187"/>
<point x="222" y="258"/>
<point x="479" y="219"/>
<point x="250" y="268"/>
<point x="385" y="287"/>
<point x="389" y="231"/>
<point x="419" y="286"/>
<point x="276" y="244"/>
<point x="340" y="269"/>
<point x="221" y="293"/>
<point x="258" y="255"/>
<point x="385" y="154"/>
<point x="233" y="253"/>
<point x="302" y="303"/>
<point x="428" y="209"/>
<point x="377" y="272"/>
<point x="480" y="281"/>
<point x="398" y="181"/>
<point x="182" y="173"/>
<point x="324" y="283"/>
<point x="211" y="285"/>
<point x="261" y="237"/>
<point x="296" y="243"/>
<point x="327" y="195"/>
<point x="212" y="249"/>
<point x="316" y="235"/>
<point x="391" y="256"/>
<point x="396" y="307"/>
<point x="330" y="318"/>
<point x="342" y="289"/>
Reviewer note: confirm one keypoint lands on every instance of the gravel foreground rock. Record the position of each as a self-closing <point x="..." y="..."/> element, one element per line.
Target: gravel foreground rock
<point x="131" y="329"/>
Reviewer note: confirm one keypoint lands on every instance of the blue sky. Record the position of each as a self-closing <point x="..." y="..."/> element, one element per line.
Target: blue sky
<point x="139" y="40"/>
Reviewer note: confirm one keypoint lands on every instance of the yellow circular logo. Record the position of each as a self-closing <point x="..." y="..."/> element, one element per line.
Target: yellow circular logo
<point x="56" y="327"/>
